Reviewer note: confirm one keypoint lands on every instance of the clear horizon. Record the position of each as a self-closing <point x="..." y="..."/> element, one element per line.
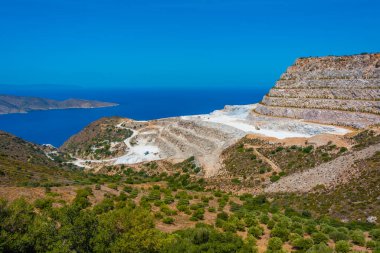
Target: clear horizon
<point x="170" y="44"/>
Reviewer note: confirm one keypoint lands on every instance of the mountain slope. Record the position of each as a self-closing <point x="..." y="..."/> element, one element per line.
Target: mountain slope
<point x="28" y="164"/>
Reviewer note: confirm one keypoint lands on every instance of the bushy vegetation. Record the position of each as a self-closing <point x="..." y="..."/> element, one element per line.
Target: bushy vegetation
<point x="19" y="173"/>
<point x="297" y="158"/>
<point x="244" y="163"/>
<point x="121" y="222"/>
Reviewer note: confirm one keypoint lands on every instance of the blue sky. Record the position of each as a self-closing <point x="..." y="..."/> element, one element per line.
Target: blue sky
<point x="174" y="43"/>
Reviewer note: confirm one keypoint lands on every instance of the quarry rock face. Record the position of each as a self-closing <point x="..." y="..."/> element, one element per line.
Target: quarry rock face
<point x="341" y="90"/>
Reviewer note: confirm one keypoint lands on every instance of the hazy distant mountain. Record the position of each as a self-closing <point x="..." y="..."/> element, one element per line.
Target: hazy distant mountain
<point x="19" y="104"/>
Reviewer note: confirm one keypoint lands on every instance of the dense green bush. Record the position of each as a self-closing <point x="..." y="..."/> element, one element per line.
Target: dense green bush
<point x="357" y="237"/>
<point x="342" y="247"/>
<point x="168" y="220"/>
<point x="275" y="243"/>
<point x="338" y="236"/>
<point x="104" y="206"/>
<point x="280" y="232"/>
<point x="303" y="243"/>
<point x="319" y="237"/>
<point x="372" y="244"/>
<point x="320" y="248"/>
<point x="375" y="234"/>
<point x="257" y="231"/>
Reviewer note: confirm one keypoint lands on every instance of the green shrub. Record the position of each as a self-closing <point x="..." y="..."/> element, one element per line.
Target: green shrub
<point x="274" y="178"/>
<point x="343" y="149"/>
<point x="264" y="219"/>
<point x="134" y="193"/>
<point x="280" y="232"/>
<point x="250" y="220"/>
<point x="303" y="243"/>
<point x="358" y="238"/>
<point x="168" y="220"/>
<point x="256" y="231"/>
<point x="327" y="229"/>
<point x="218" y="194"/>
<point x="168" y="199"/>
<point x="319" y="237"/>
<point x="275" y="243"/>
<point x="235" y="181"/>
<point x="271" y="224"/>
<point x="311" y="228"/>
<point x="112" y="186"/>
<point x="128" y="189"/>
<point x="229" y="227"/>
<point x="198" y="214"/>
<point x="372" y="244"/>
<point x="222" y="216"/>
<point x="338" y="236"/>
<point x="375" y="234"/>
<point x="307" y="149"/>
<point x="154" y="194"/>
<point x="342" y="247"/>
<point x="293" y="236"/>
<point x="201" y="236"/>
<point x="104" y="206"/>
<point x="43" y="203"/>
<point x="122" y="197"/>
<point x="320" y="248"/>
<point x="344" y="230"/>
<point x="167" y="210"/>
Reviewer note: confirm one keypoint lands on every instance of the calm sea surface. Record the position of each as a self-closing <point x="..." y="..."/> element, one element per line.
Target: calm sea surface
<point x="56" y="126"/>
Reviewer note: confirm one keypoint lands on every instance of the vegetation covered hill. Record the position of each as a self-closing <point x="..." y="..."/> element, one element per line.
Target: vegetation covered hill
<point x="26" y="164"/>
<point x="98" y="139"/>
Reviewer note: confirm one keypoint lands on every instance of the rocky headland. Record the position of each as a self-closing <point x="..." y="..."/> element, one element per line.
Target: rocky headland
<point x="21" y="104"/>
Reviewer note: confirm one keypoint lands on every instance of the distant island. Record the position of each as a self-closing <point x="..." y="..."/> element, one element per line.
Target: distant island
<point x="20" y="104"/>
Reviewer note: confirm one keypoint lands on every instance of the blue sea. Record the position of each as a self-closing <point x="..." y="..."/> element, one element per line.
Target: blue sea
<point x="56" y="126"/>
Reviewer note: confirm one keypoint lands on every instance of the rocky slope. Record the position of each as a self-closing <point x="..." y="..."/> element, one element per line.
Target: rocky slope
<point x="19" y="104"/>
<point x="342" y="90"/>
<point x="346" y="187"/>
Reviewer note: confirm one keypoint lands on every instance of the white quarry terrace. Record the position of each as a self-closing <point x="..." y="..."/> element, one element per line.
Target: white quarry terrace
<point x="241" y="117"/>
<point x="206" y="136"/>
